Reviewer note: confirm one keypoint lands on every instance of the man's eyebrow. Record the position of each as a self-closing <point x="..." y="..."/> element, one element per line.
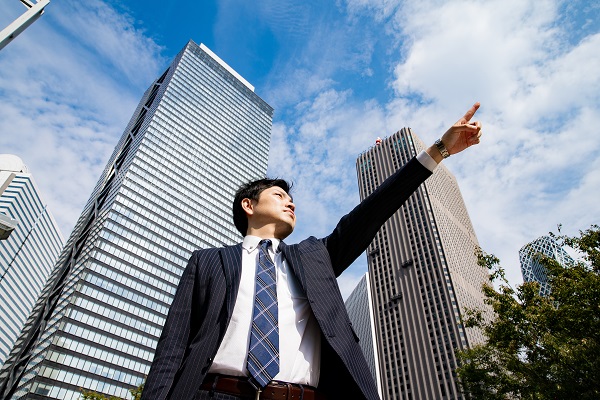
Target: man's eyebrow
<point x="281" y="190"/>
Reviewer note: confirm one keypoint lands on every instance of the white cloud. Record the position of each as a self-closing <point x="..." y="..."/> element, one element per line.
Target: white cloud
<point x="381" y="9"/>
<point x="111" y="39"/>
<point x="459" y="50"/>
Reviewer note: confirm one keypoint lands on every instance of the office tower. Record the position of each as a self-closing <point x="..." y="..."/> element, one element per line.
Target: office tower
<point x="28" y="252"/>
<point x="424" y="275"/>
<point x="532" y="269"/>
<point x="197" y="134"/>
<point x="360" y="310"/>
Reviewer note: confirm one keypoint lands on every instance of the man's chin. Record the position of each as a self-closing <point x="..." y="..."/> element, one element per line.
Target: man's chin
<point x="283" y="233"/>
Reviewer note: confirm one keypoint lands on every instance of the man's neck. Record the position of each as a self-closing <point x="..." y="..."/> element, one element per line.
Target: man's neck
<point x="266" y="233"/>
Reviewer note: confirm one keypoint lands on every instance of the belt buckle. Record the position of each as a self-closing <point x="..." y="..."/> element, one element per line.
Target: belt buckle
<point x="256" y="387"/>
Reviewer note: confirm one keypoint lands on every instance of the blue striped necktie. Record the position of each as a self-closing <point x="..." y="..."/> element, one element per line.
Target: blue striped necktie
<point x="263" y="353"/>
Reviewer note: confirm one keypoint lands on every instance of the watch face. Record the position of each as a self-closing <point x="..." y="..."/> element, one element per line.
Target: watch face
<point x="442" y="149"/>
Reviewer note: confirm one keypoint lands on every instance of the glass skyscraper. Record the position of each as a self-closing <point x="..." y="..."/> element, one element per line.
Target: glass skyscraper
<point x="197" y="134"/>
<point x="424" y="275"/>
<point x="532" y="269"/>
<point x="28" y="254"/>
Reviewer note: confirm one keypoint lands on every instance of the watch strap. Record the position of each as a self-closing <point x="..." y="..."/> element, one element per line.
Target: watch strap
<point x="442" y="149"/>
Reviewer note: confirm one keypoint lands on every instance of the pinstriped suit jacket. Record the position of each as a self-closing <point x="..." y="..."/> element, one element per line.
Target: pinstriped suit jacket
<point x="203" y="303"/>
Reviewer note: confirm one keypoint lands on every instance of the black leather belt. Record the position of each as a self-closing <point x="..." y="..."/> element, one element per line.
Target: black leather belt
<point x="238" y="386"/>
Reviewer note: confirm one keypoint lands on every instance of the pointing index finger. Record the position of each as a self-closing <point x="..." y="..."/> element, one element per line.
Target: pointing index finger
<point x="471" y="112"/>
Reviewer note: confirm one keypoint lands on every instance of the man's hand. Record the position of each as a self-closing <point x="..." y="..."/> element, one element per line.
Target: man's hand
<point x="464" y="133"/>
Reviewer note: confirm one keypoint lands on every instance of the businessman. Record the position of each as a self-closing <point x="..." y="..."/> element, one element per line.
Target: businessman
<point x="264" y="319"/>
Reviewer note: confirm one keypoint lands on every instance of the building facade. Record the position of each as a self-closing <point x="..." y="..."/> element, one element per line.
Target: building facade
<point x="360" y="310"/>
<point x="28" y="253"/>
<point x="197" y="134"/>
<point x="532" y="269"/>
<point x="424" y="276"/>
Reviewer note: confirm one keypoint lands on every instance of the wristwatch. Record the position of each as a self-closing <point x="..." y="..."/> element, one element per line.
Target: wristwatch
<point x="440" y="146"/>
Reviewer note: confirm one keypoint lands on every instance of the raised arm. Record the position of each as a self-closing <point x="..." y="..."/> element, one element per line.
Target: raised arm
<point x="356" y="230"/>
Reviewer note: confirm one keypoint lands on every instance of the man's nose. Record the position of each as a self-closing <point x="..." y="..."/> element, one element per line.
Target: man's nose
<point x="291" y="206"/>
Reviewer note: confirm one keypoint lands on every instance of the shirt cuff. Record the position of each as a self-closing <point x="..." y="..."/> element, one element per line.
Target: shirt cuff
<point x="426" y="160"/>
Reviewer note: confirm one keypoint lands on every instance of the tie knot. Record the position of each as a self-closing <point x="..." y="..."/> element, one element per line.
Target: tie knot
<point x="265" y="244"/>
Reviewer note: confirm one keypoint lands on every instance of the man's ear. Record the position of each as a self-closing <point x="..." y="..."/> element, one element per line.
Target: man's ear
<point x="247" y="206"/>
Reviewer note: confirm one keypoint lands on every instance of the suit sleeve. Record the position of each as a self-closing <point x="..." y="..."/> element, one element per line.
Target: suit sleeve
<point x="356" y="230"/>
<point x="173" y="340"/>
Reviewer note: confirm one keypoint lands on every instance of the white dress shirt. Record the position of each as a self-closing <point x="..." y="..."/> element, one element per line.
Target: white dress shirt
<point x="299" y="338"/>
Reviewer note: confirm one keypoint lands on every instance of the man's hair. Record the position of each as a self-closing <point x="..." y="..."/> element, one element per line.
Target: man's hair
<point x="252" y="191"/>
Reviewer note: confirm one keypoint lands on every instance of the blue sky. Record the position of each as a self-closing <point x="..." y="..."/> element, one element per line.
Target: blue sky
<point x="338" y="74"/>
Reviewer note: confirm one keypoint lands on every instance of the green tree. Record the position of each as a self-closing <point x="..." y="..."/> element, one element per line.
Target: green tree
<point x="539" y="347"/>
<point x="137" y="392"/>
<point x="92" y="395"/>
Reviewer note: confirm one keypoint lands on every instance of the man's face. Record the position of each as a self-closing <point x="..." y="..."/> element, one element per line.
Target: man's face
<point x="274" y="210"/>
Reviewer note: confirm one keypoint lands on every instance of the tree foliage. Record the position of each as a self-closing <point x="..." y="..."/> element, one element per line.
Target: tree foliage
<point x="92" y="395"/>
<point x="136" y="394"/>
<point x="540" y="347"/>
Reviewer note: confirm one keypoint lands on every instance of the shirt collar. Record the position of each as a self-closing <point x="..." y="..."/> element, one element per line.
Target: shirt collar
<point x="250" y="243"/>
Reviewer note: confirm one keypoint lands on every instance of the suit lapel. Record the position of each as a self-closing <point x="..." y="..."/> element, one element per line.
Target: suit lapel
<point x="231" y="258"/>
<point x="292" y="256"/>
